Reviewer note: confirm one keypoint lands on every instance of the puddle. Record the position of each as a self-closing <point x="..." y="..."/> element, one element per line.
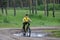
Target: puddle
<point x="33" y="34"/>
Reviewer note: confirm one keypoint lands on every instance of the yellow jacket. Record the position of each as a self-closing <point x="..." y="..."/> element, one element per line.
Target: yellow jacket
<point x="26" y="19"/>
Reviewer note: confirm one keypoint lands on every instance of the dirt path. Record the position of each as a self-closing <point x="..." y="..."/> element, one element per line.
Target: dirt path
<point x="6" y="34"/>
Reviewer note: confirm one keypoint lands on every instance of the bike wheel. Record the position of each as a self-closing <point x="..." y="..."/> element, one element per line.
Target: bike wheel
<point x="29" y="32"/>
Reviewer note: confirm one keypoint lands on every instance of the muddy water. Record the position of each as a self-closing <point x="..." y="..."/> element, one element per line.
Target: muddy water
<point x="33" y="34"/>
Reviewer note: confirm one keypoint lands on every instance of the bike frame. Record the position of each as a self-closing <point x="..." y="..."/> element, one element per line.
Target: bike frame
<point x="27" y="31"/>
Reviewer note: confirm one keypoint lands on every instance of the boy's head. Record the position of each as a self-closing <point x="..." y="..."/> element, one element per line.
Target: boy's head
<point x="26" y="15"/>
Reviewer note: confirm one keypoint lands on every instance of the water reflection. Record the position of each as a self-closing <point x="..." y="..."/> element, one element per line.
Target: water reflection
<point x="33" y="34"/>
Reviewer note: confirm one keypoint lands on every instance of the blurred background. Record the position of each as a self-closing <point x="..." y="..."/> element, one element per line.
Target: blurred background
<point x="42" y="12"/>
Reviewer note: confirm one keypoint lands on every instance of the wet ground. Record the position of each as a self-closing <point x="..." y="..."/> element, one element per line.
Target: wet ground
<point x="36" y="34"/>
<point x="33" y="34"/>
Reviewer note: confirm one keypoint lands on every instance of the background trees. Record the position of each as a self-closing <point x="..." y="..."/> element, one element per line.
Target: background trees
<point x="41" y="10"/>
<point x="32" y="5"/>
<point x="14" y="3"/>
<point x="3" y="6"/>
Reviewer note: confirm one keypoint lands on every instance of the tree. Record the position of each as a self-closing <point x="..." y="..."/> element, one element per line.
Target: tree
<point x="33" y="10"/>
<point x="1" y="3"/>
<point x="4" y="6"/>
<point x="36" y="8"/>
<point x="2" y="9"/>
<point x="7" y="3"/>
<point x="30" y="5"/>
<point x="53" y="8"/>
<point x="47" y="8"/>
<point x="58" y="1"/>
<point x="44" y="2"/>
<point x="21" y="3"/>
<point x="33" y="6"/>
<point x="14" y="8"/>
<point x="50" y="1"/>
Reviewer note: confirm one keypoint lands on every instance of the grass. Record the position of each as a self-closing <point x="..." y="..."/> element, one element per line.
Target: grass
<point x="55" y="33"/>
<point x="46" y="21"/>
<point x="37" y="20"/>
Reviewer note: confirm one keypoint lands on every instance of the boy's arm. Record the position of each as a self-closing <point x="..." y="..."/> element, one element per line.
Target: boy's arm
<point x="30" y="20"/>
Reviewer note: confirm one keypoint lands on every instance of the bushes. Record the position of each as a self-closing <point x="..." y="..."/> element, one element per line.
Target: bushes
<point x="57" y="6"/>
<point x="5" y="20"/>
<point x="41" y="7"/>
<point x="50" y="7"/>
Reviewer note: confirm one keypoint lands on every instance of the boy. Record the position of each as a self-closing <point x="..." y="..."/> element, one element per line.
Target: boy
<point x="26" y="21"/>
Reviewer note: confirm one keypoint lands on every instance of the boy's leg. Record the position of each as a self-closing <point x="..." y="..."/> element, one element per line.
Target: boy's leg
<point x="28" y="29"/>
<point x="23" y="26"/>
<point x="24" y="29"/>
<point x="28" y="25"/>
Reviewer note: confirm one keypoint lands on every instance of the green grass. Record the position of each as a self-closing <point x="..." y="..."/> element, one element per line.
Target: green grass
<point x="55" y="33"/>
<point x="37" y="20"/>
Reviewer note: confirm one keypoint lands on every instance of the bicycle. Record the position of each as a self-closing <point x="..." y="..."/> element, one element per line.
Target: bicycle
<point x="27" y="31"/>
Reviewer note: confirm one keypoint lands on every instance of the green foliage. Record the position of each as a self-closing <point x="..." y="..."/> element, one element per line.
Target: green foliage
<point x="0" y="15"/>
<point x="33" y="16"/>
<point x="50" y="7"/>
<point x="36" y="16"/>
<point x="5" y="20"/>
<point x="41" y="7"/>
<point x="40" y="16"/>
<point x="0" y="18"/>
<point x="57" y="6"/>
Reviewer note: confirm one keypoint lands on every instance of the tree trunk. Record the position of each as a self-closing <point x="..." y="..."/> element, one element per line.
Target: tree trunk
<point x="7" y="3"/>
<point x="14" y="8"/>
<point x="53" y="8"/>
<point x="33" y="10"/>
<point x="47" y="9"/>
<point x="21" y="3"/>
<point x="6" y="11"/>
<point x="2" y="10"/>
<point x="44" y="6"/>
<point x="30" y="5"/>
<point x="36" y="8"/>
<point x="6" y="7"/>
<point x="58" y="1"/>
<point x="33" y="6"/>
<point x="50" y="1"/>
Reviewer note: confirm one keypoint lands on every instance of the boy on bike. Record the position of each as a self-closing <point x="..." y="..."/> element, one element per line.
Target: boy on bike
<point x="26" y="21"/>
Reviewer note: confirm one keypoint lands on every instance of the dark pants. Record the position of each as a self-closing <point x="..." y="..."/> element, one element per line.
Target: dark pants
<point x="24" y="24"/>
